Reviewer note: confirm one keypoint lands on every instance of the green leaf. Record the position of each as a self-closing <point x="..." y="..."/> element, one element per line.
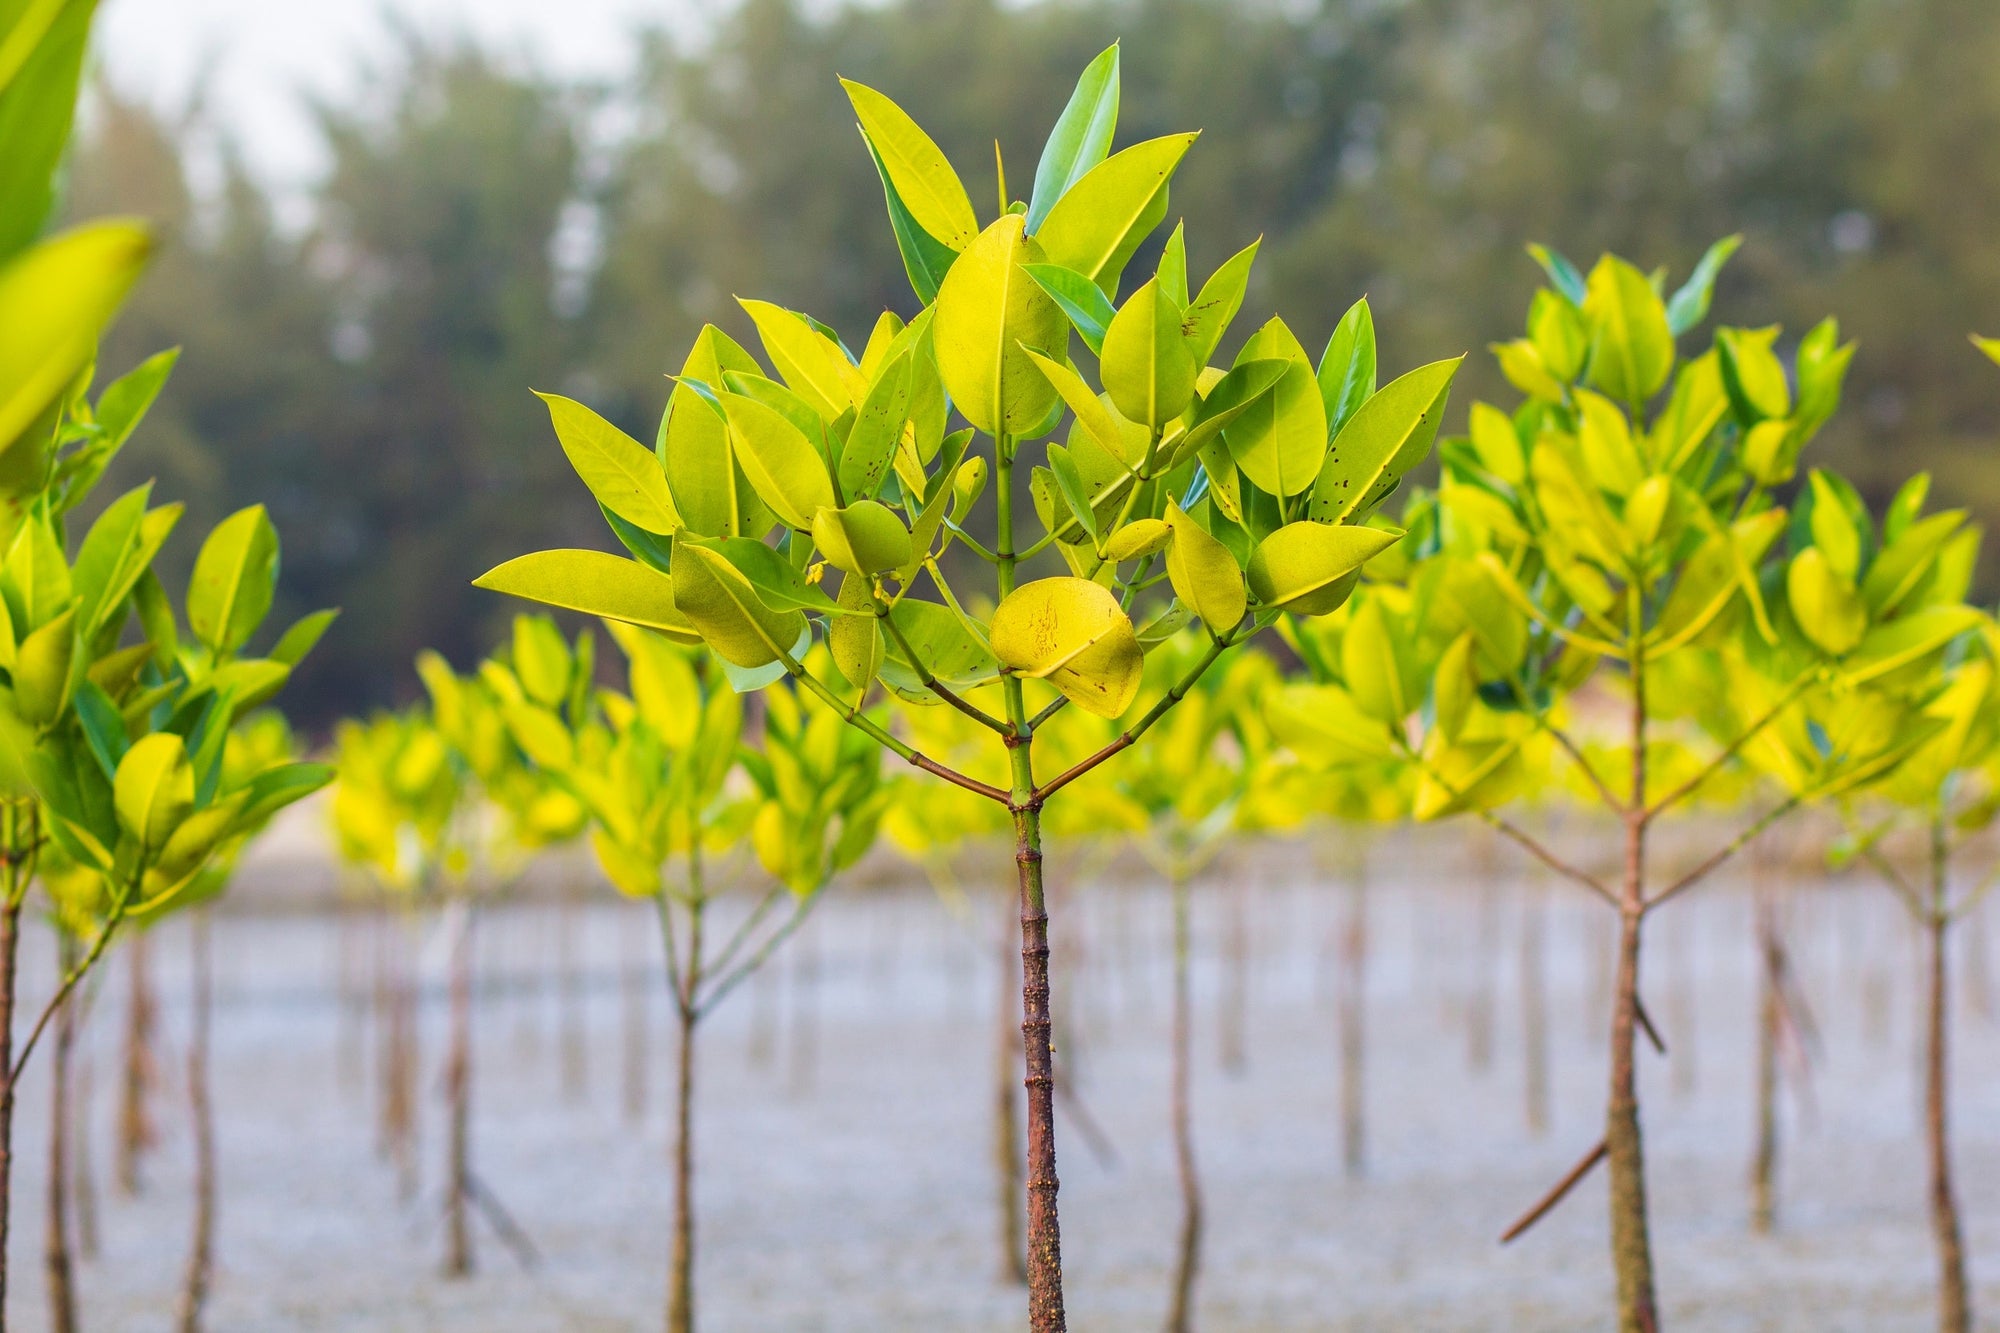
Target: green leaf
<point x="1082" y="301"/>
<point x="119" y="410"/>
<point x="784" y="468"/>
<point x="779" y="584"/>
<point x="865" y="538"/>
<point x="107" y="548"/>
<point x="988" y="311"/>
<point x="1081" y="137"/>
<point x="1368" y="664"/>
<point x="1632" y="349"/>
<point x="103" y="727"/>
<point x="1226" y="400"/>
<point x="302" y="636"/>
<point x="1279" y="441"/>
<point x="1140" y="537"/>
<point x="1100" y="222"/>
<point x="916" y="166"/>
<point x="1146" y="366"/>
<point x="41" y="62"/>
<point x="622" y="473"/>
<point x="1072" y="633"/>
<point x="948" y="646"/>
<point x="710" y="493"/>
<point x="1905" y="639"/>
<point x="154" y="788"/>
<point x="715" y="595"/>
<point x="878" y="430"/>
<point x="230" y="591"/>
<point x="1304" y="567"/>
<point x="1825" y="604"/>
<point x="55" y="300"/>
<point x="42" y="674"/>
<point x="597" y="584"/>
<point x="1215" y="306"/>
<point x="1347" y="367"/>
<point x="1204" y="574"/>
<point x="1752" y="373"/>
<point x="856" y="640"/>
<point x="1689" y="305"/>
<point x="275" y="788"/>
<point x="810" y="363"/>
<point x="1562" y="274"/>
<point x="926" y="259"/>
<point x="1389" y="435"/>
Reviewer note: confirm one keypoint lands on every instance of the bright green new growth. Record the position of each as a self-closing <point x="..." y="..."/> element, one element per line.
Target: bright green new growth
<point x="816" y="502"/>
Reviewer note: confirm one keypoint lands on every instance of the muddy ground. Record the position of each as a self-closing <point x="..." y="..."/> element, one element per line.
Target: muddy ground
<point x="846" y="1177"/>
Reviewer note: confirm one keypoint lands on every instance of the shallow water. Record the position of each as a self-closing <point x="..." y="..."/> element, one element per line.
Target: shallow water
<point x="845" y="1177"/>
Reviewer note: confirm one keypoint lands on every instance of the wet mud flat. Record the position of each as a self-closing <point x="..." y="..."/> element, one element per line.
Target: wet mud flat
<point x="845" y="1173"/>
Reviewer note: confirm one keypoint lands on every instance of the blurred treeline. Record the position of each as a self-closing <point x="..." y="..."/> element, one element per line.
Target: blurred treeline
<point x="483" y="230"/>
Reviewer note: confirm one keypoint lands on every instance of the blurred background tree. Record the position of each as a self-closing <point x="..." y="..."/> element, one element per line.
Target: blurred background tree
<point x="483" y="229"/>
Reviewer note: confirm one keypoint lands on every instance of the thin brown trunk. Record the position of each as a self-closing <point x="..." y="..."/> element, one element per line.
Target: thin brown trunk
<point x="1625" y="1157"/>
<point x="136" y="1132"/>
<point x="1770" y="1015"/>
<point x="10" y="944"/>
<point x="201" y="1250"/>
<point x="1954" y="1300"/>
<point x="680" y="1278"/>
<point x="1007" y="1115"/>
<point x="1535" y="1010"/>
<point x="1180" y="1317"/>
<point x="458" y="1098"/>
<point x="1045" y="1292"/>
<point x="1354" y="1029"/>
<point x="56" y="1262"/>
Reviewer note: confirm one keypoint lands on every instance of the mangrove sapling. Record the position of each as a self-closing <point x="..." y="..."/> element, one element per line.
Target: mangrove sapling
<point x="1181" y="796"/>
<point x="1253" y="483"/>
<point x="1589" y="530"/>
<point x="654" y="769"/>
<point x="396" y="817"/>
<point x="258" y="743"/>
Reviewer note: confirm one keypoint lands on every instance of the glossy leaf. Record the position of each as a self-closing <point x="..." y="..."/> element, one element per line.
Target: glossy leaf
<point x="712" y="593"/>
<point x="1081" y="137"/>
<point x="865" y="538"/>
<point x="1072" y="633"/>
<point x="1279" y="441"/>
<point x="1204" y="574"/>
<point x="1305" y="567"/>
<point x="55" y="299"/>
<point x="597" y="584"/>
<point x="154" y="788"/>
<point x="783" y="467"/>
<point x="1146" y="365"/>
<point x="988" y="312"/>
<point x="234" y="579"/>
<point x="1632" y="349"/>
<point x="1390" y="433"/>
<point x="623" y="474"/>
<point x="922" y="176"/>
<point x="1100" y="222"/>
<point x="1347" y="367"/>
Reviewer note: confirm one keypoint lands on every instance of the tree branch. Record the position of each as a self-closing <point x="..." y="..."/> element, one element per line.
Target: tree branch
<point x="729" y="982"/>
<point x="1175" y="693"/>
<point x="1562" y="1187"/>
<point x="1735" y="845"/>
<point x="1735" y="747"/>
<point x="938" y="687"/>
<point x="860" y="721"/>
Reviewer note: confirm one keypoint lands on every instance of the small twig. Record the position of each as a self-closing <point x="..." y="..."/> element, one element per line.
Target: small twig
<point x="860" y="721"/>
<point x="1093" y="1135"/>
<point x="1735" y="747"/>
<point x="1514" y="832"/>
<point x="742" y="932"/>
<point x="1541" y="719"/>
<point x="504" y="1226"/>
<point x="705" y="1004"/>
<point x="1736" y="844"/>
<point x="938" y="687"/>
<point x="75" y="974"/>
<point x="1175" y="693"/>
<point x="1646" y="1026"/>
<point x="1562" y="1187"/>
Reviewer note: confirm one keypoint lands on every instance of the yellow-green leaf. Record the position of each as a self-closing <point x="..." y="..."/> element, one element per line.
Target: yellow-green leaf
<point x="1279" y="441"/>
<point x="1101" y="220"/>
<point x="1146" y="365"/>
<point x="726" y="609"/>
<point x="153" y="790"/>
<point x="988" y="313"/>
<point x="865" y="538"/>
<point x="1826" y="606"/>
<point x="808" y="361"/>
<point x="1304" y="567"/>
<point x="1072" y="633"/>
<point x="623" y="474"/>
<point x="923" y="177"/>
<point x="784" y="468"/>
<point x="597" y="584"/>
<point x="1204" y="574"/>
<point x="55" y="299"/>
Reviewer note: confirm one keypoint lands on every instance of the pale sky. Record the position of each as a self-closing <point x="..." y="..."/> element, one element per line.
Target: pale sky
<point x="261" y="51"/>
